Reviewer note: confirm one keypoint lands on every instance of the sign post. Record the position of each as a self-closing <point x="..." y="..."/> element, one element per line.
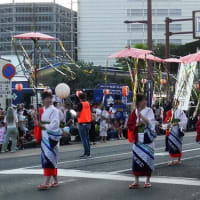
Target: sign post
<point x="7" y="72"/>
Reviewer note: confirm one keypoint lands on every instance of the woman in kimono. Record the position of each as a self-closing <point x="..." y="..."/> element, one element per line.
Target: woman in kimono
<point x="141" y="132"/>
<point x="176" y="122"/>
<point x="51" y="134"/>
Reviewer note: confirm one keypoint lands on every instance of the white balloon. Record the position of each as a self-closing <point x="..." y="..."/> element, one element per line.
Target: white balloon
<point x="73" y="113"/>
<point x="62" y="90"/>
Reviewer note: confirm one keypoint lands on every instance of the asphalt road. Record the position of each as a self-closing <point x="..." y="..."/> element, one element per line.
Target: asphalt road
<point x="104" y="177"/>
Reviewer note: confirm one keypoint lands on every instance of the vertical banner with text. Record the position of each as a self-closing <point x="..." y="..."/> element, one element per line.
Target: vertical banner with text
<point x="184" y="84"/>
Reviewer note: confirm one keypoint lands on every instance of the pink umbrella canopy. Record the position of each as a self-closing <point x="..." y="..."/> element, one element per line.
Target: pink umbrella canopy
<point x="172" y="60"/>
<point x="34" y="36"/>
<point x="150" y="57"/>
<point x="130" y="52"/>
<point x="195" y="57"/>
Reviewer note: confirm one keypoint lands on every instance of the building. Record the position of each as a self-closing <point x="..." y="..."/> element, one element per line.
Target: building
<point x="102" y="31"/>
<point x="49" y="18"/>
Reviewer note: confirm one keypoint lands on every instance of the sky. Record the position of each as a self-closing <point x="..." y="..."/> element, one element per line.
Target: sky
<point x="66" y="3"/>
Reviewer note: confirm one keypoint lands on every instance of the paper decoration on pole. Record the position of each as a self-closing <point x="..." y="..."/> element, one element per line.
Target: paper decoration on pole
<point x="144" y="80"/>
<point x="78" y="93"/>
<point x="62" y="90"/>
<point x="19" y="87"/>
<point x="125" y="91"/>
<point x="163" y="81"/>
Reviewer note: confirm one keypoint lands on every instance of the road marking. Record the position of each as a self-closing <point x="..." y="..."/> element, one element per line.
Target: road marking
<point x="113" y="155"/>
<point x="158" y="164"/>
<point x="105" y="176"/>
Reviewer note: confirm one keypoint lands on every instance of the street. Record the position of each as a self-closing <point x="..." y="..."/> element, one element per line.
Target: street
<point x="105" y="176"/>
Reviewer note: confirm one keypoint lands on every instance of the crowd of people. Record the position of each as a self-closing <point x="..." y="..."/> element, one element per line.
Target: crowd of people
<point x="17" y="125"/>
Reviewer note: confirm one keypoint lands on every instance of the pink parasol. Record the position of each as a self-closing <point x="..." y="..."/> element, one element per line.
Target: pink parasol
<point x="130" y="52"/>
<point x="172" y="60"/>
<point x="150" y="57"/>
<point x="195" y="57"/>
<point x="34" y="36"/>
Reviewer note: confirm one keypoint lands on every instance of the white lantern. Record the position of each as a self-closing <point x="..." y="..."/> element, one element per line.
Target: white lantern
<point x="62" y="90"/>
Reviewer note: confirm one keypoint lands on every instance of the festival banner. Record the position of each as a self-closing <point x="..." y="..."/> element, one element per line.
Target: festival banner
<point x="184" y="84"/>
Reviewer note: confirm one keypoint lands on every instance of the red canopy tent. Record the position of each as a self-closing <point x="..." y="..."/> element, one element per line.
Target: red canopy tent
<point x="130" y="52"/>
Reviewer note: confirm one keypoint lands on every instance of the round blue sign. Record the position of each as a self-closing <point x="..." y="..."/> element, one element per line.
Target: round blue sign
<point x="8" y="71"/>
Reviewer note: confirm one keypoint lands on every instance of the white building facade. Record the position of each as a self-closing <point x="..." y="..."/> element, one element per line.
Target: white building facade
<point x="101" y="30"/>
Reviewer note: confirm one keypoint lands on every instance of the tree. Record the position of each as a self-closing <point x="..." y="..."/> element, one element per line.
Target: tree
<point x="87" y="77"/>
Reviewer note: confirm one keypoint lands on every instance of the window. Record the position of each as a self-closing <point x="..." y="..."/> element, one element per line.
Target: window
<point x="6" y="19"/>
<point x="158" y="28"/>
<point x="162" y="12"/>
<point x="43" y="9"/>
<point x="135" y="12"/>
<point x="135" y="27"/>
<point x="155" y="12"/>
<point x="175" y="27"/>
<point x="175" y="12"/>
<point x="24" y="9"/>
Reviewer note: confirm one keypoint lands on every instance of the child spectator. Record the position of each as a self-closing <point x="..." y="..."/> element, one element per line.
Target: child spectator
<point x="104" y="125"/>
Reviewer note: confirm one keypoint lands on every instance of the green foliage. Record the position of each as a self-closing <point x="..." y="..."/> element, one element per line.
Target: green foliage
<point x="140" y="46"/>
<point x="88" y="76"/>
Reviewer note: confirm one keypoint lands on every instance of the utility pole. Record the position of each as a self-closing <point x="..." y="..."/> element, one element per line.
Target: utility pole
<point x="72" y="30"/>
<point x="168" y="21"/>
<point x="148" y="22"/>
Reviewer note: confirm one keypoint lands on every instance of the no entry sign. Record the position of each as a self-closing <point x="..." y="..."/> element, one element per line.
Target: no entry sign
<point x="8" y="71"/>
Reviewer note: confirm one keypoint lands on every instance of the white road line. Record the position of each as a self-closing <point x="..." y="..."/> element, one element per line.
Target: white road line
<point x="106" y="156"/>
<point x="105" y="176"/>
<point x="158" y="164"/>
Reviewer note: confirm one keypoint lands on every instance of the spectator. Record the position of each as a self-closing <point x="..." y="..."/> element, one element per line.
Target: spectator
<point x="98" y="113"/>
<point x="2" y="133"/>
<point x="84" y="120"/>
<point x="1" y="114"/>
<point x="116" y="127"/>
<point x="68" y="116"/>
<point x="104" y="125"/>
<point x="21" y="126"/>
<point x="29" y="126"/>
<point x="121" y="129"/>
<point x="92" y="132"/>
<point x="11" y="124"/>
<point x="112" y="111"/>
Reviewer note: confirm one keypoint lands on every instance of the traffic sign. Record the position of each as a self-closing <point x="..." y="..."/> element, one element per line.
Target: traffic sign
<point x="8" y="71"/>
<point x="196" y="24"/>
